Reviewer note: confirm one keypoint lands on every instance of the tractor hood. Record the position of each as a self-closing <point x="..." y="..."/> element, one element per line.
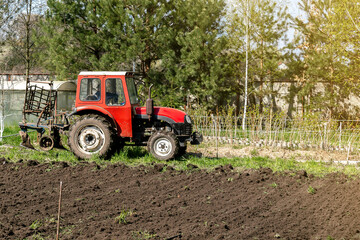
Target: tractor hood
<point x="163" y="113"/>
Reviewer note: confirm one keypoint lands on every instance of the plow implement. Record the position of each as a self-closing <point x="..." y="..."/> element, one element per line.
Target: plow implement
<point x="41" y="103"/>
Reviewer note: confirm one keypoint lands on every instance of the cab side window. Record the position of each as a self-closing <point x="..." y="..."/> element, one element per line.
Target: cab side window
<point x="114" y="92"/>
<point x="90" y="89"/>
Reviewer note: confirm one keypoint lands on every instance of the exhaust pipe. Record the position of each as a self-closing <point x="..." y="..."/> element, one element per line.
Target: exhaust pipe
<point x="149" y="104"/>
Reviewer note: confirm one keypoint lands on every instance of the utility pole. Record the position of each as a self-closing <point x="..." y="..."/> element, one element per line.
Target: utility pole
<point x="27" y="56"/>
<point x="2" y="114"/>
<point x="246" y="65"/>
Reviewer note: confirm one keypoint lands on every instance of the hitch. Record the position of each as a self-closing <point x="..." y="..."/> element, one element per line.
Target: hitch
<point x="196" y="138"/>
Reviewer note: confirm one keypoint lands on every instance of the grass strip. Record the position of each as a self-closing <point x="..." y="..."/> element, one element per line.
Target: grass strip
<point x="134" y="156"/>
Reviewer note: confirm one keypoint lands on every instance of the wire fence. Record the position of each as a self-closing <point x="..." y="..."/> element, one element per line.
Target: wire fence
<point x="280" y="131"/>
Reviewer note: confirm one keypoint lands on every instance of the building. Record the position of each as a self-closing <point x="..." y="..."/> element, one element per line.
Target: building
<point x="12" y="95"/>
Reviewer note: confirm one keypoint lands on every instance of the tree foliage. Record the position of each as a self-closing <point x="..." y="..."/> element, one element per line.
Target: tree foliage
<point x="268" y="25"/>
<point x="193" y="51"/>
<point x="19" y="31"/>
<point x="174" y="44"/>
<point x="330" y="55"/>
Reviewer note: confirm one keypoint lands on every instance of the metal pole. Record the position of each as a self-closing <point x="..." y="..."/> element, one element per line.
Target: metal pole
<point x="340" y="135"/>
<point x="2" y="117"/>
<point x="246" y="65"/>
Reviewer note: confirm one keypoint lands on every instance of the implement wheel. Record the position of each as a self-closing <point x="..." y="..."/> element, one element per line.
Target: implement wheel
<point x="46" y="143"/>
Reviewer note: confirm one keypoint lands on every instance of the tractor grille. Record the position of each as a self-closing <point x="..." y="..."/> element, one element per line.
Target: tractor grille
<point x="183" y="128"/>
<point x="187" y="129"/>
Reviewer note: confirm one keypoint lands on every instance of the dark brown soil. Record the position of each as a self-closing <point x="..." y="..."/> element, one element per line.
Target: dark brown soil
<point x="169" y="204"/>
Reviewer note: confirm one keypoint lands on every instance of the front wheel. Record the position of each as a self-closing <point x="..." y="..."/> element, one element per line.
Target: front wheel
<point x="91" y="135"/>
<point x="163" y="145"/>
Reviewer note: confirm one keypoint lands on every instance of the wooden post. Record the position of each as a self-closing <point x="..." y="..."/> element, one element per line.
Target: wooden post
<point x="59" y="211"/>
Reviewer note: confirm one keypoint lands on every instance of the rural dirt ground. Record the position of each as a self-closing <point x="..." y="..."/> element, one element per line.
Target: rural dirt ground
<point x="171" y="204"/>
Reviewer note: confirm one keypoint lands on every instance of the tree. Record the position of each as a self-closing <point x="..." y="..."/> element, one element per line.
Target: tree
<point x="8" y="9"/>
<point x="19" y="34"/>
<point x="193" y="64"/>
<point x="329" y="48"/>
<point x="268" y="24"/>
<point x="174" y="44"/>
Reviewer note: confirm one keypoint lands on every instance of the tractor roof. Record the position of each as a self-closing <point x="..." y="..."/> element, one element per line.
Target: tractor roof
<point x="106" y="73"/>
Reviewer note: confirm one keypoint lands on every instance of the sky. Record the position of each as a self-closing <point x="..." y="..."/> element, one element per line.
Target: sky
<point x="292" y="5"/>
<point x="294" y="11"/>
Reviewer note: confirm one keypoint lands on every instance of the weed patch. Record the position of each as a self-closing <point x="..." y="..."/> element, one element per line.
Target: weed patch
<point x="311" y="190"/>
<point x="124" y="214"/>
<point x="142" y="235"/>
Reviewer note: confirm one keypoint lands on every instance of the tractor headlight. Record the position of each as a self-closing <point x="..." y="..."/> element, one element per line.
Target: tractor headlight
<point x="187" y="119"/>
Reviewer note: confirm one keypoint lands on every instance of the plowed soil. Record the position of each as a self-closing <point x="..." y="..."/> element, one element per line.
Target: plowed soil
<point x="170" y="204"/>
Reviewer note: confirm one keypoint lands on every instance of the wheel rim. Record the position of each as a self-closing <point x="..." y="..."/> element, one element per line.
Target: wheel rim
<point x="46" y="143"/>
<point x="162" y="146"/>
<point x="91" y="139"/>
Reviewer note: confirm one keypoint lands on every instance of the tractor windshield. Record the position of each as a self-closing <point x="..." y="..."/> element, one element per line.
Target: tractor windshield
<point x="132" y="90"/>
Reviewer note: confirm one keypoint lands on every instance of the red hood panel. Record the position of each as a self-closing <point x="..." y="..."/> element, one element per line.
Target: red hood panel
<point x="175" y="114"/>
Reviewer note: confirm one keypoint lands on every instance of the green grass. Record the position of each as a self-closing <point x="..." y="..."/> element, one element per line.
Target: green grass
<point x="35" y="225"/>
<point x="124" y="214"/>
<point x="311" y="190"/>
<point x="134" y="156"/>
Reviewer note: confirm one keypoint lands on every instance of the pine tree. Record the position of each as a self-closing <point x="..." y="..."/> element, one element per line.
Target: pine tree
<point x="174" y="44"/>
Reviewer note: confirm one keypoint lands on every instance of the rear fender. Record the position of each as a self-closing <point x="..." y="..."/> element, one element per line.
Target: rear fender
<point x="96" y="110"/>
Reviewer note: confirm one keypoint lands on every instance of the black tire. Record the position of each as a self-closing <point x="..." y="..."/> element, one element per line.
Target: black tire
<point x="163" y="145"/>
<point x="119" y="144"/>
<point x="182" y="151"/>
<point x="46" y="143"/>
<point x="91" y="135"/>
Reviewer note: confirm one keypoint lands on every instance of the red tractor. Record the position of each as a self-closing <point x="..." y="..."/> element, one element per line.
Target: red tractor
<point x="110" y="116"/>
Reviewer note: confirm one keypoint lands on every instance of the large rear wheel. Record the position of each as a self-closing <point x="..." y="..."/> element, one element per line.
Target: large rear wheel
<point x="163" y="145"/>
<point x="91" y="135"/>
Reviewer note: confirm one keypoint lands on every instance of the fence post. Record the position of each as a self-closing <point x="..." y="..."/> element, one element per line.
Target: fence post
<point x="325" y="135"/>
<point x="235" y="126"/>
<point x="217" y="146"/>
<point x="340" y="135"/>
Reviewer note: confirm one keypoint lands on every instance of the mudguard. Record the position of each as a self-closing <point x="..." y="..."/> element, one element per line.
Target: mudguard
<point x="88" y="109"/>
<point x="81" y="109"/>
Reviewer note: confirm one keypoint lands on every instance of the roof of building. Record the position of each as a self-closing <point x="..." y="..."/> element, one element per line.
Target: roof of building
<point x="21" y="85"/>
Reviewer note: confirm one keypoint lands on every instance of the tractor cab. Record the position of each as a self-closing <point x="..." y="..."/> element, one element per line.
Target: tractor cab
<point x="112" y="94"/>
